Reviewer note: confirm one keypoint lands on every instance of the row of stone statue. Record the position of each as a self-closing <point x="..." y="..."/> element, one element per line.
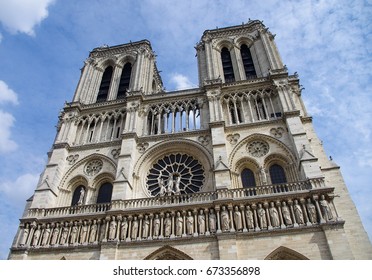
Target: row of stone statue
<point x="240" y="218"/>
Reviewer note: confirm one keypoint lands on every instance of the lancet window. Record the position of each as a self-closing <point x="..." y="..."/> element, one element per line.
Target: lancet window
<point x="227" y="65"/>
<point x="173" y="117"/>
<point x="252" y="106"/>
<point x="277" y="174"/>
<point x="248" y="179"/>
<point x="100" y="127"/>
<point x="124" y="80"/>
<point x="104" y="193"/>
<point x="250" y="72"/>
<point x="105" y="84"/>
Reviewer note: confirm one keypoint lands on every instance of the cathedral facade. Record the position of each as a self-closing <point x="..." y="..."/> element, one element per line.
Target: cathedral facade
<point x="230" y="170"/>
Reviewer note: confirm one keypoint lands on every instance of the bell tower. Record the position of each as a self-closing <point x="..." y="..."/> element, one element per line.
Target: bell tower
<point x="232" y="169"/>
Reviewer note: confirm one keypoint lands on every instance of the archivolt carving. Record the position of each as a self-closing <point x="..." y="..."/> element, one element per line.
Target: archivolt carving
<point x="284" y="253"/>
<point x="168" y="253"/>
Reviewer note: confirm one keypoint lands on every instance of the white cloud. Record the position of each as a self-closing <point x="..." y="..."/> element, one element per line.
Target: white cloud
<point x="23" y="15"/>
<point x="19" y="190"/>
<point x="7" y="94"/>
<point x="6" y="143"/>
<point x="181" y="82"/>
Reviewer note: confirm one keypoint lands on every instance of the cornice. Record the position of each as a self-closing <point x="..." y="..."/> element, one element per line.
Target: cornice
<point x="95" y="146"/>
<point x="237" y="127"/>
<point x="175" y="135"/>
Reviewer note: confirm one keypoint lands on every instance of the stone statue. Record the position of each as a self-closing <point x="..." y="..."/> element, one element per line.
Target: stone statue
<point x="286" y="214"/>
<point x="145" y="227"/>
<point x="170" y="185"/>
<point x="156" y="226"/>
<point x="225" y="220"/>
<point x="262" y="217"/>
<point x="212" y="221"/>
<point x="189" y="223"/>
<point x="263" y="175"/>
<point x="64" y="235"/>
<point x="134" y="232"/>
<point x="74" y="232"/>
<point x="238" y="219"/>
<point x="201" y="222"/>
<point x="81" y="197"/>
<point x="23" y="240"/>
<point x="326" y="210"/>
<point x="177" y="186"/>
<point x="249" y="217"/>
<point x="274" y="215"/>
<point x="312" y="211"/>
<point x="162" y="190"/>
<point x="298" y="213"/>
<point x="112" y="229"/>
<point x="167" y="225"/>
<point x="93" y="232"/>
<point x="36" y="237"/>
<point x="124" y="229"/>
<point x="84" y="232"/>
<point x="55" y="233"/>
<point x="179" y="224"/>
<point x="46" y="235"/>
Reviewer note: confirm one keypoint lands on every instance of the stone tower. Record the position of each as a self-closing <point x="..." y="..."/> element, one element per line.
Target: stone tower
<point x="230" y="170"/>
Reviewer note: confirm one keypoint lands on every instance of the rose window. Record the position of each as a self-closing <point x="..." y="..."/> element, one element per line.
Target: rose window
<point x="258" y="148"/>
<point x="93" y="167"/>
<point x="175" y="174"/>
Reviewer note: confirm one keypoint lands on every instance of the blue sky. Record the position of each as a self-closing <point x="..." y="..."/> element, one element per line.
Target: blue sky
<point x="43" y="44"/>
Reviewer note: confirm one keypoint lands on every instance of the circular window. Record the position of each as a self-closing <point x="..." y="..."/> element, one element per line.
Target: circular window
<point x="258" y="148"/>
<point x="93" y="167"/>
<point x="175" y="174"/>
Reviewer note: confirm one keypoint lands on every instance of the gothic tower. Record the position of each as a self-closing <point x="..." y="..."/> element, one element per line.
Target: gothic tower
<point x="230" y="170"/>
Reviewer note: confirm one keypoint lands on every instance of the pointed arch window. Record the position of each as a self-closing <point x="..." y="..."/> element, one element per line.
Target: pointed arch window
<point x="277" y="174"/>
<point x="78" y="196"/>
<point x="124" y="80"/>
<point x="248" y="180"/>
<point x="105" y="193"/>
<point x="105" y="85"/>
<point x="249" y="70"/>
<point x="227" y="66"/>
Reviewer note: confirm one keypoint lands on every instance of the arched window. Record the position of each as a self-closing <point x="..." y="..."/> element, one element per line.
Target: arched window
<point x="105" y="85"/>
<point x="277" y="174"/>
<point x="250" y="72"/>
<point x="104" y="193"/>
<point x="78" y="196"/>
<point x="248" y="180"/>
<point x="124" y="80"/>
<point x="227" y="66"/>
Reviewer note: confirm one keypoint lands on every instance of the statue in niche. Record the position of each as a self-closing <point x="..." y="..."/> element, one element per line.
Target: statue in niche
<point x="212" y="221"/>
<point x="64" y="234"/>
<point x="274" y="215"/>
<point x="249" y="217"/>
<point x="55" y="233"/>
<point x="312" y="211"/>
<point x="298" y="213"/>
<point x="177" y="190"/>
<point x="326" y="210"/>
<point x="263" y="175"/>
<point x="134" y="232"/>
<point x="112" y="229"/>
<point x="156" y="225"/>
<point x="124" y="229"/>
<point x="83" y="232"/>
<point x="167" y="225"/>
<point x="162" y="190"/>
<point x="93" y="232"/>
<point x="238" y="219"/>
<point x="74" y="232"/>
<point x="179" y="224"/>
<point x="225" y="220"/>
<point x="189" y="223"/>
<point x="23" y="240"/>
<point x="36" y="237"/>
<point x="170" y="185"/>
<point x="262" y="217"/>
<point x="46" y="235"/>
<point x="145" y="227"/>
<point x="201" y="222"/>
<point x="286" y="214"/>
<point x="81" y="197"/>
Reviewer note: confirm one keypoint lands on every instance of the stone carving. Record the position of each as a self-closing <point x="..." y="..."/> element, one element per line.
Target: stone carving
<point x="81" y="197"/>
<point x="145" y="227"/>
<point x="72" y="159"/>
<point x="46" y="234"/>
<point x="36" y="237"/>
<point x="225" y="219"/>
<point x="115" y="153"/>
<point x="74" y="233"/>
<point x="162" y="188"/>
<point x="112" y="229"/>
<point x="298" y="213"/>
<point x="93" y="167"/>
<point x="23" y="240"/>
<point x="83" y="232"/>
<point x="54" y="238"/>
<point x="263" y="175"/>
<point x="142" y="147"/>
<point x="156" y="226"/>
<point x="204" y="140"/>
<point x="274" y="215"/>
<point x="93" y="232"/>
<point x="238" y="219"/>
<point x="212" y="221"/>
<point x="258" y="148"/>
<point x="189" y="223"/>
<point x="312" y="211"/>
<point x="233" y="138"/>
<point x="134" y="232"/>
<point x="179" y="224"/>
<point x="326" y="210"/>
<point x="277" y="132"/>
<point x="262" y="217"/>
<point x="201" y="222"/>
<point x="64" y="234"/>
<point x="286" y="214"/>
<point x="249" y="217"/>
<point x="124" y="229"/>
<point x="167" y="225"/>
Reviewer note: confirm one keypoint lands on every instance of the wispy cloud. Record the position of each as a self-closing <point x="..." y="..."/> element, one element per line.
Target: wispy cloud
<point x="181" y="82"/>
